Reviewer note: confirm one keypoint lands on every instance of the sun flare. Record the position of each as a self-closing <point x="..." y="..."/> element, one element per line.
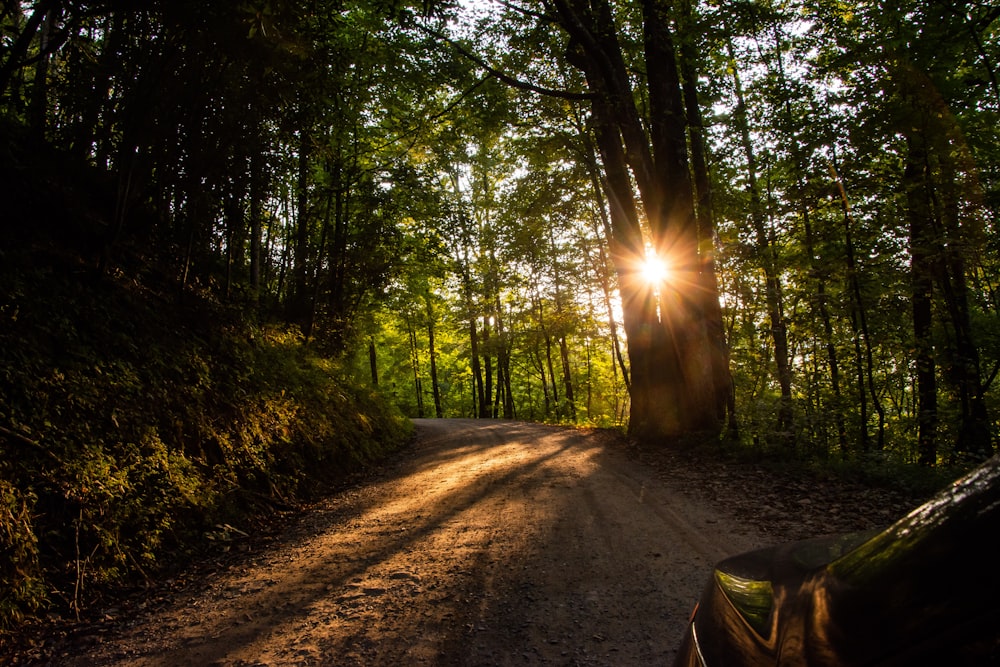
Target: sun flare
<point x="655" y="270"/>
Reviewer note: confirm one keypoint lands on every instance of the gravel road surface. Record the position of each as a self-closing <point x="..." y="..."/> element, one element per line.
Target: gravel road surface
<point x="485" y="543"/>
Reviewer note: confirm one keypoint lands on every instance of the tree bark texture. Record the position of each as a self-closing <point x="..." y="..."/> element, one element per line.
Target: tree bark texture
<point x="674" y="386"/>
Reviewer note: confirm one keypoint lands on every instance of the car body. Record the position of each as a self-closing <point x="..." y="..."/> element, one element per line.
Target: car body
<point x="925" y="591"/>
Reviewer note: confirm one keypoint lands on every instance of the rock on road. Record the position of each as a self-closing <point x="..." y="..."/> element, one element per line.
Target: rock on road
<point x="485" y="543"/>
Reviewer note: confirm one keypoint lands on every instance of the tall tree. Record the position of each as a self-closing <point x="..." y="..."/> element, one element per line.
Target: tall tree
<point x="671" y="352"/>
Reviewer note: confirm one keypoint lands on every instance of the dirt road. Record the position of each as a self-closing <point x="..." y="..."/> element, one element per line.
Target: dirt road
<point x="488" y="543"/>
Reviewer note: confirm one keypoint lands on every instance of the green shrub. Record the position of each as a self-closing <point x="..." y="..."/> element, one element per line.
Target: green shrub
<point x="132" y="427"/>
<point x="21" y="586"/>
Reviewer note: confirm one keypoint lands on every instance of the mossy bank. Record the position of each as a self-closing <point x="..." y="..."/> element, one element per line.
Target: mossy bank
<point x="137" y="425"/>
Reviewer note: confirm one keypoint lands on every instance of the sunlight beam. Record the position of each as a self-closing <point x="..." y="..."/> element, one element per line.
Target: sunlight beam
<point x="655" y="270"/>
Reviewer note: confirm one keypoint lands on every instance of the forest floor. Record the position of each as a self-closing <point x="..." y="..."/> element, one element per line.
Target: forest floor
<point x="485" y="543"/>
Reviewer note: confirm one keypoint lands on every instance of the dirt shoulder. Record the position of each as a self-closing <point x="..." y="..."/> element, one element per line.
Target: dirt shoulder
<point x="485" y="543"/>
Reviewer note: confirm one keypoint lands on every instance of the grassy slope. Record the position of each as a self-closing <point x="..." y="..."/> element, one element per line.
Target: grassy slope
<point x="134" y="421"/>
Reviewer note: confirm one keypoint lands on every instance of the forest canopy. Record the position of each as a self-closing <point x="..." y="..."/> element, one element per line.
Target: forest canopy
<point x="461" y="200"/>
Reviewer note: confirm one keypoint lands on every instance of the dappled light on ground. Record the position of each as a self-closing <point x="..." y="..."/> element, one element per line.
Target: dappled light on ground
<point x="489" y="543"/>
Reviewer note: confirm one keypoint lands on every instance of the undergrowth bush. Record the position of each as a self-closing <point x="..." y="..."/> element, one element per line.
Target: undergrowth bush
<point x="131" y="427"/>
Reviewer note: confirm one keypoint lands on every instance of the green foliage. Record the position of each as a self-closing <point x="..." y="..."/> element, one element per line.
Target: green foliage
<point x="341" y="170"/>
<point x="21" y="586"/>
<point x="132" y="425"/>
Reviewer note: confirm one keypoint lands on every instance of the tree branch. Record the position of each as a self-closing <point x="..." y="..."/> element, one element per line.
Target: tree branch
<point x="458" y="100"/>
<point x="523" y="11"/>
<point x="20" y="437"/>
<point x="506" y="78"/>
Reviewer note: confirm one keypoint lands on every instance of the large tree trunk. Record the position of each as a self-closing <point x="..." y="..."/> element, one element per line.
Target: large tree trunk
<point x="670" y="349"/>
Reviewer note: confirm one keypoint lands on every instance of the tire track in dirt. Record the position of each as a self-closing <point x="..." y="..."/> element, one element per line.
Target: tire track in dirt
<point x="486" y="543"/>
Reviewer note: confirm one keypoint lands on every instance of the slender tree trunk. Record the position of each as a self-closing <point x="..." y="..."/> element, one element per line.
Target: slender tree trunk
<point x="503" y="365"/>
<point x="373" y="361"/>
<point x="510" y="409"/>
<point x="277" y="237"/>
<point x="545" y="363"/>
<point x="256" y="222"/>
<point x="299" y="302"/>
<point x="195" y="207"/>
<point x="314" y="299"/>
<point x="540" y="367"/>
<point x="38" y="106"/>
<point x="820" y="303"/>
<point x="16" y="54"/>
<point x="616" y="346"/>
<point x="766" y="253"/>
<point x="859" y="381"/>
<point x="590" y="386"/>
<point x="937" y="156"/>
<point x="233" y="217"/>
<point x="563" y="345"/>
<point x="922" y="284"/>
<point x="552" y="374"/>
<point x="601" y="266"/>
<point x="567" y="378"/>
<point x="477" y="369"/>
<point x="974" y="437"/>
<point x="725" y="389"/>
<point x="861" y="319"/>
<point x="508" y="406"/>
<point x="498" y="398"/>
<point x="486" y="406"/>
<point x="415" y="365"/>
<point x="477" y="372"/>
<point x="475" y="409"/>
<point x="338" y="247"/>
<point x="432" y="353"/>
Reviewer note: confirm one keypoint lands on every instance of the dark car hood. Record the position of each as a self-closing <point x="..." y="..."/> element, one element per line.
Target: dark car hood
<point x="898" y="596"/>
